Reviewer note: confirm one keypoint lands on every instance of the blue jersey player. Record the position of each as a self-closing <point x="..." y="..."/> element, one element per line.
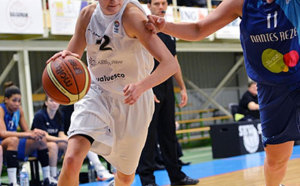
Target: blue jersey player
<point x="270" y="41"/>
<point x="19" y="145"/>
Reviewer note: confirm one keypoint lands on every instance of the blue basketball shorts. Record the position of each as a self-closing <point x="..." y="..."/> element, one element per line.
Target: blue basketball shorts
<point x="279" y="113"/>
<point x="21" y="149"/>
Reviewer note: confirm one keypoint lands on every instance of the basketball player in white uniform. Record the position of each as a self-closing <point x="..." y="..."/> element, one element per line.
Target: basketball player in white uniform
<point x="112" y="119"/>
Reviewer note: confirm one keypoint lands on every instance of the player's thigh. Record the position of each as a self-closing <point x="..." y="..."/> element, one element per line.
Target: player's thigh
<point x="52" y="146"/>
<point x="10" y="143"/>
<point x="279" y="152"/>
<point x="78" y="146"/>
<point x="30" y="145"/>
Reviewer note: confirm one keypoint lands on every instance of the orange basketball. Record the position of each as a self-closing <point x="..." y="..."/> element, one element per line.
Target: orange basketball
<point x="66" y="80"/>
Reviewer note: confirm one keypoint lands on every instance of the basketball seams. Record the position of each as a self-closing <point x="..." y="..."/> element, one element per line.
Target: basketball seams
<point x="59" y="101"/>
<point x="87" y="80"/>
<point x="76" y="84"/>
<point x="65" y="67"/>
<point x="51" y="90"/>
<point x="52" y="77"/>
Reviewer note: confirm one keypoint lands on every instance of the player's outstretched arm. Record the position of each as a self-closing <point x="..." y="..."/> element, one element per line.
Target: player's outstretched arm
<point x="134" y="23"/>
<point x="225" y="13"/>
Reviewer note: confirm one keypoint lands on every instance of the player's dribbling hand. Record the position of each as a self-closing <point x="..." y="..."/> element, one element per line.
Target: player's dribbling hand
<point x="63" y="54"/>
<point x="131" y="93"/>
<point x="155" y="23"/>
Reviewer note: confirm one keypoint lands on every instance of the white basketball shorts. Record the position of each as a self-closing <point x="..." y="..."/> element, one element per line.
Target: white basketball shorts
<point x="119" y="130"/>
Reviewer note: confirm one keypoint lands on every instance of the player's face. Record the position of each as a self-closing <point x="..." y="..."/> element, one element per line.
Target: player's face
<point x="13" y="103"/>
<point x="158" y="7"/>
<point x="110" y="7"/>
<point x="51" y="105"/>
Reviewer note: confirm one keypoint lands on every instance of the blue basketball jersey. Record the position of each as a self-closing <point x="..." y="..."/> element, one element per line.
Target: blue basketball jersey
<point x="42" y="121"/>
<point x="11" y="120"/>
<point x="270" y="41"/>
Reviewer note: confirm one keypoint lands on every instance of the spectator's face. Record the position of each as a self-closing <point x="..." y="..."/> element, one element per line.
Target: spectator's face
<point x="158" y="7"/>
<point x="51" y="104"/>
<point x="110" y="7"/>
<point x="253" y="89"/>
<point x="13" y="103"/>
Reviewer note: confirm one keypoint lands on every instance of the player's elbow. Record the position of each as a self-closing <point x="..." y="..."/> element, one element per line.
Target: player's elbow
<point x="197" y="34"/>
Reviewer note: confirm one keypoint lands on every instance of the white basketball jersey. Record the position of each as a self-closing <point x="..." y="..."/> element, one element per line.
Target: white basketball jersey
<point x="115" y="59"/>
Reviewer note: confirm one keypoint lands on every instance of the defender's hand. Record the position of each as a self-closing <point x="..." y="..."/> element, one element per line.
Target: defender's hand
<point x="155" y="23"/>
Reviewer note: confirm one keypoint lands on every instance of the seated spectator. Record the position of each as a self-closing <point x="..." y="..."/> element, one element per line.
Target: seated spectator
<point x="19" y="145"/>
<point x="49" y="119"/>
<point x="102" y="172"/>
<point x="248" y="105"/>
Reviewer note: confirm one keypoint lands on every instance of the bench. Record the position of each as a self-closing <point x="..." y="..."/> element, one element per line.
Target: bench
<point x="199" y="129"/>
<point x="191" y="130"/>
<point x="195" y="111"/>
<point x="34" y="171"/>
<point x="187" y="131"/>
<point x="193" y="139"/>
<point x="204" y="119"/>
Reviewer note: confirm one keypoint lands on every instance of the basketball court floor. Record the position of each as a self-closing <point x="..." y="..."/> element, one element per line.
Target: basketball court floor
<point x="244" y="170"/>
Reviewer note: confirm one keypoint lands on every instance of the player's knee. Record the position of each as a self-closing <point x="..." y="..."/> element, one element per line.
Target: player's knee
<point x="52" y="146"/>
<point x="44" y="140"/>
<point x="12" y="142"/>
<point x="42" y="143"/>
<point x="125" y="179"/>
<point x="71" y="163"/>
<point x="276" y="164"/>
<point x="62" y="146"/>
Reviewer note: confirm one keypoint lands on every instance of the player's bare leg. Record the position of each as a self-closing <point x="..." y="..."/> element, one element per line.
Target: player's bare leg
<point x="53" y="151"/>
<point x="78" y="147"/>
<point x="276" y="162"/>
<point x="123" y="179"/>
